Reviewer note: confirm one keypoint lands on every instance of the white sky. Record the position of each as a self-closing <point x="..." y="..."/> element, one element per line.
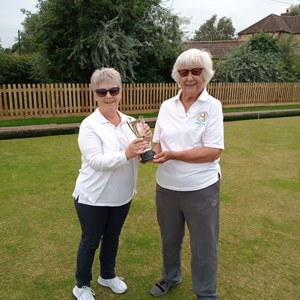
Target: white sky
<point x="243" y="13"/>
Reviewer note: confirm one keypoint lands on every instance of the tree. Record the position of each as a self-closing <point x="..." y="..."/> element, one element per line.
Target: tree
<point x="213" y="30"/>
<point x="76" y="36"/>
<point x="294" y="10"/>
<point x="290" y="55"/>
<point x="28" y="37"/>
<point x="264" y="43"/>
<point x="161" y="42"/>
<point x="264" y="58"/>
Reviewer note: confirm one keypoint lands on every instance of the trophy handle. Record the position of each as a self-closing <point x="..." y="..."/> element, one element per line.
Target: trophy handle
<point x="137" y="126"/>
<point x="128" y="121"/>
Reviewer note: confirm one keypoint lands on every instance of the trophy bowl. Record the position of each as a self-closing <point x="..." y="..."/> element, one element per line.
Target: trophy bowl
<point x="137" y="127"/>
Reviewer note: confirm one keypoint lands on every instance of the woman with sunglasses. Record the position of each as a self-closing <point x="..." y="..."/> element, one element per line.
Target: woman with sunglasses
<point x="188" y="141"/>
<point x="106" y="183"/>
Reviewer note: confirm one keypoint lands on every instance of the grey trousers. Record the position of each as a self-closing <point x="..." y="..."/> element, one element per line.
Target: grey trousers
<point x="199" y="210"/>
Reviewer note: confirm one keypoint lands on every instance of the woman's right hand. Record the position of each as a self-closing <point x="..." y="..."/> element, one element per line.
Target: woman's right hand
<point x="136" y="147"/>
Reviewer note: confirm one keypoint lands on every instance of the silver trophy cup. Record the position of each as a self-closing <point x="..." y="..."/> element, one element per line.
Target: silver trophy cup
<point x="137" y="127"/>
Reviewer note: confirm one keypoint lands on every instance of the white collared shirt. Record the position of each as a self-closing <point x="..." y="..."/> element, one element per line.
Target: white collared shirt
<point x="175" y="129"/>
<point x="106" y="177"/>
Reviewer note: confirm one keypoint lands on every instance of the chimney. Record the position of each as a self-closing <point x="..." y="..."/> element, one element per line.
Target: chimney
<point x="287" y="13"/>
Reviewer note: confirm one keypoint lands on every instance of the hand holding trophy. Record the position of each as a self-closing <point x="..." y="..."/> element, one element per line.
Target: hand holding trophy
<point x="137" y="127"/>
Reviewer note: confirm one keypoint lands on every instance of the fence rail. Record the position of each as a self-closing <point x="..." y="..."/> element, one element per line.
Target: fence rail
<point x="59" y="100"/>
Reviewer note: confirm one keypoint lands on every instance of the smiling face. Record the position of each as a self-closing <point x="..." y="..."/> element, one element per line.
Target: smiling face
<point x="108" y="103"/>
<point x="192" y="83"/>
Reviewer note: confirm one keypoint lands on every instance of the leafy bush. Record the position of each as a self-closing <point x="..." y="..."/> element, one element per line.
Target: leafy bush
<point x="14" y="68"/>
<point x="22" y="68"/>
<point x="264" y="58"/>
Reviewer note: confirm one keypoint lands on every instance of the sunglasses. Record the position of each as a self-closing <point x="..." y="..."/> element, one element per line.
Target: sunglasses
<point x="114" y="91"/>
<point x="185" y="72"/>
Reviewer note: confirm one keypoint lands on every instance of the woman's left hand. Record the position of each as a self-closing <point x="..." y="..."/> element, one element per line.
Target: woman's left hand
<point x="163" y="156"/>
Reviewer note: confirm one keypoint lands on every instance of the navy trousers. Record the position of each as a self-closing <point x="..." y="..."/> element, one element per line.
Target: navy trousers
<point x="98" y="224"/>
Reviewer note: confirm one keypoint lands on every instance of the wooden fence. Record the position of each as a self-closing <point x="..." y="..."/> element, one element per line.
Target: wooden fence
<point x="60" y="100"/>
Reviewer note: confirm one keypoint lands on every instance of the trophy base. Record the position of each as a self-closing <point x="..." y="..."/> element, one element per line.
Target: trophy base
<point x="147" y="156"/>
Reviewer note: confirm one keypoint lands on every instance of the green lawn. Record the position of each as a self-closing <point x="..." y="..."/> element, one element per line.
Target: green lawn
<point x="78" y="119"/>
<point x="259" y="248"/>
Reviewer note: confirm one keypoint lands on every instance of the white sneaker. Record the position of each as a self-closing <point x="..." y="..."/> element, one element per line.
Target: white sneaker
<point x="84" y="293"/>
<point x="116" y="284"/>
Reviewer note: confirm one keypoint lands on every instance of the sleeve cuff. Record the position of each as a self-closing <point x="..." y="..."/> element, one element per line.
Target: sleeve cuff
<point x="123" y="158"/>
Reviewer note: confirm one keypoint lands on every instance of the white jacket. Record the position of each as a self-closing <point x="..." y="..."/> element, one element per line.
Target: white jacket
<point x="100" y="154"/>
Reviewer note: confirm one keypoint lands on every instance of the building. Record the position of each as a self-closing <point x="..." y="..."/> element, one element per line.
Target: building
<point x="218" y="49"/>
<point x="273" y="24"/>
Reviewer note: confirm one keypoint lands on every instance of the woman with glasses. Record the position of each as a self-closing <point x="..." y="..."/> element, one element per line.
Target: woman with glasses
<point x="188" y="142"/>
<point x="106" y="183"/>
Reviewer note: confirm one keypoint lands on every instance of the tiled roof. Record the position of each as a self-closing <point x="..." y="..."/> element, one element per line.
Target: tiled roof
<point x="270" y="24"/>
<point x="294" y="23"/>
<point x="275" y="24"/>
<point x="218" y="49"/>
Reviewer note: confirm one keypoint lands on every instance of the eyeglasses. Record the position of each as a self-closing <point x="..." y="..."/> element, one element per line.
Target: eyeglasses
<point x="185" y="72"/>
<point x="114" y="91"/>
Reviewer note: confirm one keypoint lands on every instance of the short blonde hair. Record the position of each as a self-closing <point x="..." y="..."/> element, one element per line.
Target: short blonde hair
<point x="194" y="58"/>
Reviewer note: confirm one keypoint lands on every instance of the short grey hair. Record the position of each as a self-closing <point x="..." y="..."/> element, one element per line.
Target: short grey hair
<point x="105" y="75"/>
<point x="194" y="58"/>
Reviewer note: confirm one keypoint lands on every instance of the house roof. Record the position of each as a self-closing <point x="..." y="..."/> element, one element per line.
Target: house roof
<point x="275" y="24"/>
<point x="270" y="24"/>
<point x="218" y="49"/>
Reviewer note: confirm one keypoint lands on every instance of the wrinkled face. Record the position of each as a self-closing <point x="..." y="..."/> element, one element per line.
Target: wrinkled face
<point x="108" y="96"/>
<point x="191" y="80"/>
